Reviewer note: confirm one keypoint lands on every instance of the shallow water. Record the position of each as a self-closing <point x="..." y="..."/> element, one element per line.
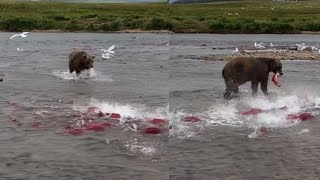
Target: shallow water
<point x="225" y="144"/>
<point x="41" y="101"/>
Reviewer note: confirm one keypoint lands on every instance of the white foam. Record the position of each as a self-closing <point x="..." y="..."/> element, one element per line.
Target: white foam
<point x="303" y="131"/>
<point x="135" y="111"/>
<point x="141" y="148"/>
<point x="272" y="117"/>
<point x="181" y="129"/>
<point x="223" y="115"/>
<point x="85" y="74"/>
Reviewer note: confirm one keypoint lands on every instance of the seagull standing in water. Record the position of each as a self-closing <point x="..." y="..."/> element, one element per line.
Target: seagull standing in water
<point x="235" y="51"/>
<point x="301" y="47"/>
<point x="259" y="46"/>
<point x="24" y="34"/>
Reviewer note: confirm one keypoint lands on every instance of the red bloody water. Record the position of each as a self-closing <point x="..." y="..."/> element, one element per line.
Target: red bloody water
<point x="302" y="117"/>
<point x="152" y="130"/>
<point x="95" y="127"/>
<point x="115" y="116"/>
<point x="251" y="112"/>
<point x="91" y="109"/>
<point x="75" y="131"/>
<point x="192" y="119"/>
<point x="275" y="79"/>
<point x="158" y="121"/>
<point x="305" y="116"/>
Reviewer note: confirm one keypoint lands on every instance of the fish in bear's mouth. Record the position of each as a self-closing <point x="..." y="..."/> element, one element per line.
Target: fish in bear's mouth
<point x="275" y="79"/>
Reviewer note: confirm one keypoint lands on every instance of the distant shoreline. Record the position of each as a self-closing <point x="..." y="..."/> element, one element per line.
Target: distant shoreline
<point x="283" y="55"/>
<point x="129" y="31"/>
<point x="122" y="31"/>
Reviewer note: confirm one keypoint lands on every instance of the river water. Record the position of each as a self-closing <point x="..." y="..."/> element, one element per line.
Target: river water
<point x="225" y="145"/>
<point x="39" y="98"/>
<point x="146" y="79"/>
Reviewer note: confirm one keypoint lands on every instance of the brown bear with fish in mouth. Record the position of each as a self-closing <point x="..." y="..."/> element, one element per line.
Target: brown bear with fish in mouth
<point x="80" y="60"/>
<point x="243" y="69"/>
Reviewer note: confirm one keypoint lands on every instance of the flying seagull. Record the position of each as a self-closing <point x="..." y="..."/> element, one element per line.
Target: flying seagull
<point x="109" y="50"/>
<point x="106" y="55"/>
<point x="24" y="34"/>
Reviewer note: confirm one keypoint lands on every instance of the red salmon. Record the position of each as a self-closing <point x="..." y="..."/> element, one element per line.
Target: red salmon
<point x="275" y="79"/>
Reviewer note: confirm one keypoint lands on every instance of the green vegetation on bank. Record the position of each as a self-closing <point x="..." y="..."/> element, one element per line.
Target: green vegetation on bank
<point x="247" y="17"/>
<point x="17" y="16"/>
<point x="232" y="17"/>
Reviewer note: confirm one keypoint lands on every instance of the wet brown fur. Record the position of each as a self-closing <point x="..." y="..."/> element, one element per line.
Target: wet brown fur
<point x="79" y="60"/>
<point x="243" y="69"/>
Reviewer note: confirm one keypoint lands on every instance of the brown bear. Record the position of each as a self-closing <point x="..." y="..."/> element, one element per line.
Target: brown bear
<point x="243" y="69"/>
<point x="80" y="60"/>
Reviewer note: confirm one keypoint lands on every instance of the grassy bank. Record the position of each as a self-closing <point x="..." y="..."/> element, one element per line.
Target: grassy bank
<point x="247" y="17"/>
<point x="17" y="16"/>
<point x="232" y="17"/>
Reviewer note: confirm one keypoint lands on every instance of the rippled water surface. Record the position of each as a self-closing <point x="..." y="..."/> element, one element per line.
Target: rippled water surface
<point x="227" y="145"/>
<point x="41" y="101"/>
<point x="45" y="110"/>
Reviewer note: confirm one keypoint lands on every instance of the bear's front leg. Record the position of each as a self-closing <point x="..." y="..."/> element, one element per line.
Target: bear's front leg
<point x="254" y="87"/>
<point x="264" y="87"/>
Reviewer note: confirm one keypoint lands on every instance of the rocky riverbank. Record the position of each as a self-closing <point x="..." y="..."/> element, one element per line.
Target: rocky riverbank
<point x="281" y="55"/>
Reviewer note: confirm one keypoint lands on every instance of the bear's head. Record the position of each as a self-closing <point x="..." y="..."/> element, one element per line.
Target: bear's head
<point x="88" y="61"/>
<point x="275" y="66"/>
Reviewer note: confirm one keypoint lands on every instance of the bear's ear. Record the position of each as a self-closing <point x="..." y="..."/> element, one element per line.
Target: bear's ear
<point x="85" y="56"/>
<point x="93" y="56"/>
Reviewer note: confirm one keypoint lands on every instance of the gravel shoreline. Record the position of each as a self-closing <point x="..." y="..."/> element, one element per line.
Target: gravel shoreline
<point x="281" y="55"/>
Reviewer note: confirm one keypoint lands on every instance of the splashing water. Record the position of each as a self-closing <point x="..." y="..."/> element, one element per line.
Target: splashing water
<point x="85" y="74"/>
<point x="126" y="111"/>
<point x="273" y="115"/>
<point x="141" y="148"/>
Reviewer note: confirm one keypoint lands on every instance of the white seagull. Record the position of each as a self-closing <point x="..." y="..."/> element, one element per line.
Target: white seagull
<point x="259" y="46"/>
<point x="18" y="49"/>
<point x="301" y="47"/>
<point x="235" y="51"/>
<point x="271" y="44"/>
<point x="24" y="34"/>
<point x="106" y="55"/>
<point x="109" y="50"/>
